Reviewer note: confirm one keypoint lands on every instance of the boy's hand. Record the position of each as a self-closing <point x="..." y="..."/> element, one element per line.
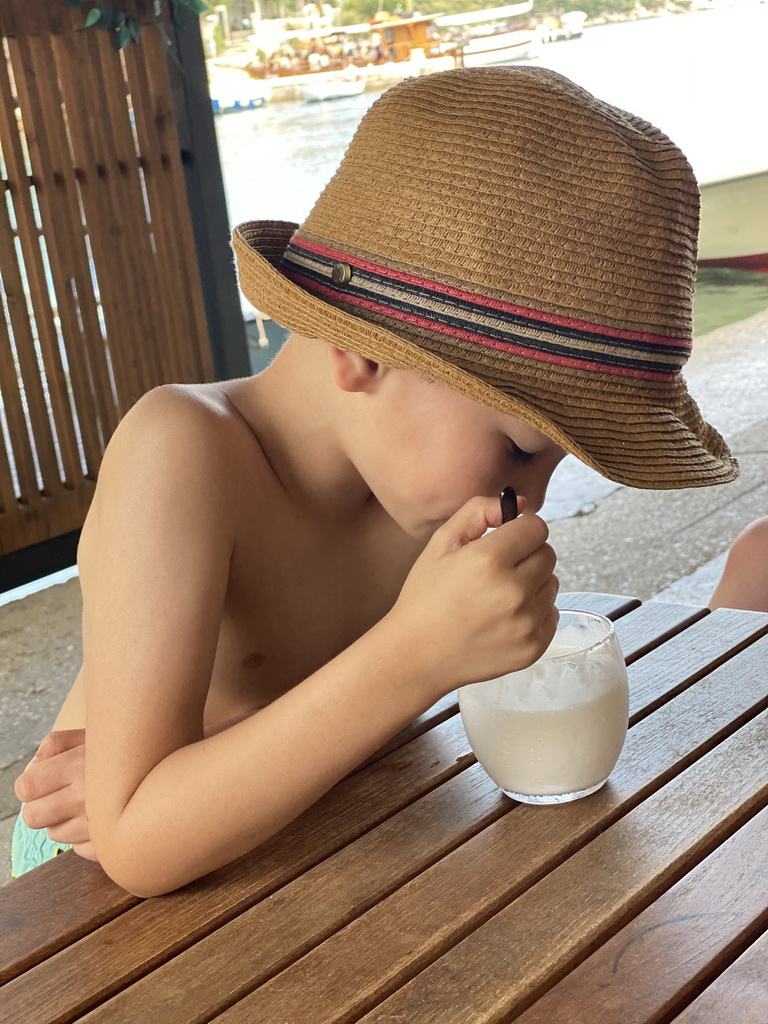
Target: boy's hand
<point x="479" y="606"/>
<point x="52" y="789"/>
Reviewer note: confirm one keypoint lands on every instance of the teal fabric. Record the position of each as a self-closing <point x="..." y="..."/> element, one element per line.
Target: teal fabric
<point x="31" y="847"/>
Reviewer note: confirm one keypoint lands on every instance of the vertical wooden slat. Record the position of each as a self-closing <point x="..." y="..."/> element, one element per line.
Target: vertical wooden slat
<point x="154" y="168"/>
<point x="119" y="139"/>
<point x="42" y="59"/>
<point x="57" y="198"/>
<point x="10" y="146"/>
<point x="158" y="138"/>
<point x="21" y="449"/>
<point x="120" y="256"/>
<point x="28" y="367"/>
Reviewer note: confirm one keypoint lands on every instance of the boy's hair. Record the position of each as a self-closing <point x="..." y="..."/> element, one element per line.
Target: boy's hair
<point x="505" y="233"/>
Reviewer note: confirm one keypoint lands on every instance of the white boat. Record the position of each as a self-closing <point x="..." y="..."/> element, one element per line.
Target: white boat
<point x="233" y="90"/>
<point x="734" y="222"/>
<point x="327" y="88"/>
<point x="489" y="37"/>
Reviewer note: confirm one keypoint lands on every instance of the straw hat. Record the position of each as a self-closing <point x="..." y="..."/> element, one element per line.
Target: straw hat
<point x="508" y="235"/>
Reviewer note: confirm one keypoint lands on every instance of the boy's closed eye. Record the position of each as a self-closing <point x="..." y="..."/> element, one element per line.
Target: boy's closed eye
<point x="517" y="453"/>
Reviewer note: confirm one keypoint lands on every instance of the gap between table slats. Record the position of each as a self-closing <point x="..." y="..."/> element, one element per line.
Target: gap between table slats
<point x="739" y="995"/>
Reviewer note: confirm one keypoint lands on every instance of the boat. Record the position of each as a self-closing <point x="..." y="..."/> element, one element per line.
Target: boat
<point x="491" y="36"/>
<point x="332" y="88"/>
<point x="734" y="222"/>
<point x="415" y="43"/>
<point x="232" y="89"/>
<point x="569" y="25"/>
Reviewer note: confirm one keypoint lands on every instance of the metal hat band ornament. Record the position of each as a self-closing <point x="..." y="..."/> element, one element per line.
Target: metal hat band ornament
<point x="506" y="234"/>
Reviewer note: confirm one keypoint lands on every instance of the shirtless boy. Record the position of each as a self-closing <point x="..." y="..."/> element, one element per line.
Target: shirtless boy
<point x="280" y="572"/>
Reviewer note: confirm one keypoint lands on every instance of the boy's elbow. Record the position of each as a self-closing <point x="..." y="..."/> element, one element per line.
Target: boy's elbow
<point x="140" y="868"/>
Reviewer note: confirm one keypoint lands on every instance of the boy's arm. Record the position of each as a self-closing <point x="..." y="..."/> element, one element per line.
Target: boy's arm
<point x="166" y="804"/>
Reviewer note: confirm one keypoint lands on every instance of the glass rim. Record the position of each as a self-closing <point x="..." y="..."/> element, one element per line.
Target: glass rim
<point x="611" y="631"/>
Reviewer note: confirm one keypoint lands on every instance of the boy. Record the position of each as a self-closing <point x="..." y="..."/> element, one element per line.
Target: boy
<point x="278" y="573"/>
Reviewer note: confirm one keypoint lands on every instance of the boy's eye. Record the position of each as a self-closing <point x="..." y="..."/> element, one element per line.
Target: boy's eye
<point x="516" y="452"/>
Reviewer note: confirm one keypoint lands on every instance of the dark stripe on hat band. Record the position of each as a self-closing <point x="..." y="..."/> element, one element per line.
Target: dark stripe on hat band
<point x="485" y="334"/>
<point x="325" y="256"/>
<point x="571" y="360"/>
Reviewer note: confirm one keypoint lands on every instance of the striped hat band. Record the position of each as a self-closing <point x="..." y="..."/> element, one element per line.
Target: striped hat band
<point x="369" y="288"/>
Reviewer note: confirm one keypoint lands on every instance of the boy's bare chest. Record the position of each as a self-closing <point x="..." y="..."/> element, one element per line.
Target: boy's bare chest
<point x="293" y="604"/>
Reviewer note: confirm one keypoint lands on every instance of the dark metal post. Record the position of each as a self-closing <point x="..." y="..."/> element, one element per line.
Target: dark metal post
<point x="207" y="203"/>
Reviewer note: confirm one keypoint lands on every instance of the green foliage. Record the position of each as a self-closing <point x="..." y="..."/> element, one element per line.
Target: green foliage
<point x="123" y="27"/>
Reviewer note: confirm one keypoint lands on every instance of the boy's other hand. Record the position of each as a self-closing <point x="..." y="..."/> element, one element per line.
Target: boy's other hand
<point x="52" y="789"/>
<point x="479" y="606"/>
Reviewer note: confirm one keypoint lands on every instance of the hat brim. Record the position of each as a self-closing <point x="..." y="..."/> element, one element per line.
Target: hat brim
<point x="650" y="437"/>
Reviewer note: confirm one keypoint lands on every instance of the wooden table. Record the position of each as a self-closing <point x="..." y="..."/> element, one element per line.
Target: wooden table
<point x="415" y="893"/>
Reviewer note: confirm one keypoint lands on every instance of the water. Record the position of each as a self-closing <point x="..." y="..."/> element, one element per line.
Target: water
<point x="700" y="77"/>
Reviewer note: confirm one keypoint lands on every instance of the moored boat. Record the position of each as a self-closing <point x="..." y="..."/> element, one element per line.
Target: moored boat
<point x="232" y="90"/>
<point x="332" y="88"/>
<point x="734" y="222"/>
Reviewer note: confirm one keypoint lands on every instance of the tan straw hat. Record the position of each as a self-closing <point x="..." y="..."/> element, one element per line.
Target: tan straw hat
<point x="508" y="235"/>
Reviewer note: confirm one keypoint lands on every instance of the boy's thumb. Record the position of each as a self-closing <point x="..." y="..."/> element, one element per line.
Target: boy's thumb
<point x="469" y="523"/>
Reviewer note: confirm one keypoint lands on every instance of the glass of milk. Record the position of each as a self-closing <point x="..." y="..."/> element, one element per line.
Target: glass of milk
<point x="553" y="732"/>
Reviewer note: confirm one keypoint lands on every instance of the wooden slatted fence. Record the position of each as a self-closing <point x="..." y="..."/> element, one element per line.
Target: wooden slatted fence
<point x="99" y="284"/>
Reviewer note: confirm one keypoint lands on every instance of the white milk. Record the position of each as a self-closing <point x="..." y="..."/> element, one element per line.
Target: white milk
<point x="544" y="733"/>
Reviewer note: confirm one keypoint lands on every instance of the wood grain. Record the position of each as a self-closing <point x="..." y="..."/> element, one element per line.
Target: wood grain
<point x="157" y="929"/>
<point x="688" y="656"/>
<point x="680" y="942"/>
<point x="401" y="935"/>
<point x="652" y="624"/>
<point x="503" y="966"/>
<point x="201" y="981"/>
<point x="738" y="996"/>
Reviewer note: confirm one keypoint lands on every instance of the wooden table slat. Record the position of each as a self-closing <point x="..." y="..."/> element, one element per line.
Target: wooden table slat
<point x="738" y="996"/>
<point x="417" y="923"/>
<point x="687" y="657"/>
<point x="30" y="931"/>
<point x="507" y="963"/>
<point x="681" y="941"/>
<point x="652" y="624"/>
<point x="613" y="606"/>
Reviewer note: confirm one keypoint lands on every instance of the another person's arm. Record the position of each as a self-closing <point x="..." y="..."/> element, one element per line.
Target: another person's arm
<point x="744" y="583"/>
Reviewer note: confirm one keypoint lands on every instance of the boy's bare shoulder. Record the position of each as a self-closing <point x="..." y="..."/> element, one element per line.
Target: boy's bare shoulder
<point x="186" y="441"/>
<point x="174" y="464"/>
<point x="185" y="424"/>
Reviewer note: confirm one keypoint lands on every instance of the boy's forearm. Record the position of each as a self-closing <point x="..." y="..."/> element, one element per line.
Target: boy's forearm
<point x="212" y="801"/>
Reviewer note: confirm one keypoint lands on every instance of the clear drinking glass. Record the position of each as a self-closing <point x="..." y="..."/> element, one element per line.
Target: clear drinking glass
<point x="553" y="732"/>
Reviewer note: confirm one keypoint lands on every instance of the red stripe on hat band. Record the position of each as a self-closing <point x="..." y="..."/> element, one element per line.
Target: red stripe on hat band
<point x="482" y="300"/>
<point x="518" y="350"/>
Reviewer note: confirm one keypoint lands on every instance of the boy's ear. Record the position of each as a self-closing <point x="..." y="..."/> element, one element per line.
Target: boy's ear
<point x="352" y="372"/>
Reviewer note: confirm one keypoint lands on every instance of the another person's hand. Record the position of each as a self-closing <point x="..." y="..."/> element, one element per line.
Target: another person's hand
<point x="480" y="606"/>
<point x="52" y="789"/>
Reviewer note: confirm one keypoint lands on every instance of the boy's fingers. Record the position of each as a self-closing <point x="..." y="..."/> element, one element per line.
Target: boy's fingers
<point x="468" y="524"/>
<point x="73" y="831"/>
<point x="86" y="851"/>
<point x="48" y="811"/>
<point x="59" y="742"/>
<point x="41" y="778"/>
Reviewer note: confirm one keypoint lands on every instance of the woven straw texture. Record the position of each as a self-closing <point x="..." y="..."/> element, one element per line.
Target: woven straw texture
<point x="510" y="236"/>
